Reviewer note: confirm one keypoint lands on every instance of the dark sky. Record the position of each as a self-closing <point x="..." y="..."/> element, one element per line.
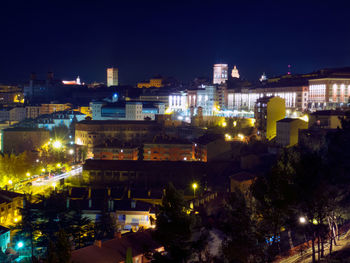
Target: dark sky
<point x="173" y="38"/>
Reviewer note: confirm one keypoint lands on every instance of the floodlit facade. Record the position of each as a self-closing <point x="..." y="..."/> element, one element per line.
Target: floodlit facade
<point x="328" y="93"/>
<point x="153" y="83"/>
<point x="268" y="111"/>
<point x="112" y="77"/>
<point x="235" y="73"/>
<point x="296" y="98"/>
<point x="220" y="73"/>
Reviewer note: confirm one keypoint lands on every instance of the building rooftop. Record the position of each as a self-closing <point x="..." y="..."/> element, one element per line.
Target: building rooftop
<point x="115" y="250"/>
<point x="242" y="176"/>
<point x="116" y="122"/>
<point x="329" y="113"/>
<point x="289" y="120"/>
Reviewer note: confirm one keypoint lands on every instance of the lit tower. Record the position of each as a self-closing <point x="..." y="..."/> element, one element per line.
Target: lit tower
<point x="220" y="73"/>
<point x="235" y="73"/>
<point x="112" y="77"/>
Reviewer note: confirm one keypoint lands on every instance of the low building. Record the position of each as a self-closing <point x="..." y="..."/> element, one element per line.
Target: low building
<point x="326" y="119"/>
<point x="115" y="150"/>
<point x="133" y="215"/>
<point x="32" y="112"/>
<point x="269" y="110"/>
<point x="59" y="118"/>
<point x="152" y="83"/>
<point x="91" y="132"/>
<point x="288" y="131"/>
<point x="5" y="234"/>
<point x="168" y="149"/>
<point x="126" y="110"/>
<point x="115" y="250"/>
<point x="53" y="107"/>
<point x="17" y="140"/>
<point x="211" y="147"/>
<point x="10" y="205"/>
<point x="146" y="174"/>
<point x="16" y="114"/>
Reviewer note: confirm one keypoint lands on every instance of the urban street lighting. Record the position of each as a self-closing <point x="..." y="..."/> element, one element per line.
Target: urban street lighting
<point x="10" y="182"/>
<point x="194" y="186"/>
<point x="57" y="144"/>
<point x="302" y="220"/>
<point x="71" y="151"/>
<point x="20" y="244"/>
<point x="28" y="174"/>
<point x="58" y="165"/>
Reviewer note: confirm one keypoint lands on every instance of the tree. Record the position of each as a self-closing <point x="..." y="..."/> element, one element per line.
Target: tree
<point x="243" y="242"/>
<point x="174" y="227"/>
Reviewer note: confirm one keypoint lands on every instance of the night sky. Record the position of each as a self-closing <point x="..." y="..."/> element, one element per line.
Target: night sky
<point x="182" y="39"/>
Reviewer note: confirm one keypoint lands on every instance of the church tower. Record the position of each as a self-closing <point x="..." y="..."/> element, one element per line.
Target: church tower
<point x="235" y="73"/>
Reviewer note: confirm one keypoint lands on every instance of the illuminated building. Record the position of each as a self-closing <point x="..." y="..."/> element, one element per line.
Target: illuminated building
<point x="153" y="83"/>
<point x="115" y="151"/>
<point x="126" y="110"/>
<point x="53" y="107"/>
<point x="162" y="149"/>
<point x="263" y="77"/>
<point x="72" y="82"/>
<point x="328" y="93"/>
<point x="10" y="205"/>
<point x="178" y="102"/>
<point x="296" y="97"/>
<point x="269" y="110"/>
<point x="112" y="77"/>
<point x="133" y="215"/>
<point x="59" y="118"/>
<point x="235" y="73"/>
<point x="95" y="132"/>
<point x="288" y="131"/>
<point x="16" y="114"/>
<point x="32" y="112"/>
<point x="5" y="239"/>
<point x="220" y="73"/>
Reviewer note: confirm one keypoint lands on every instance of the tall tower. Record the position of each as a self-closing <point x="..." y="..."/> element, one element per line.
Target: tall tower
<point x="112" y="77"/>
<point x="220" y="73"/>
<point x="235" y="73"/>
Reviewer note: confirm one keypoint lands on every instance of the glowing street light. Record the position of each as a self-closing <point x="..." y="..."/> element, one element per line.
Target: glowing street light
<point x="58" y="165"/>
<point x="43" y="170"/>
<point x="71" y="151"/>
<point x="57" y="144"/>
<point x="224" y="124"/>
<point x="10" y="182"/>
<point x="20" y="244"/>
<point x="28" y="174"/>
<point x="54" y="185"/>
<point x="302" y="220"/>
<point x="194" y="186"/>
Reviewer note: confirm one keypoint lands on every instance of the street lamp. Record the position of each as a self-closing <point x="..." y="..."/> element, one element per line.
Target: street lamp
<point x="71" y="151"/>
<point x="57" y="144"/>
<point x="10" y="182"/>
<point x="28" y="174"/>
<point x="302" y="220"/>
<point x="20" y="244"/>
<point x="58" y="165"/>
<point x="194" y="186"/>
<point x="54" y="185"/>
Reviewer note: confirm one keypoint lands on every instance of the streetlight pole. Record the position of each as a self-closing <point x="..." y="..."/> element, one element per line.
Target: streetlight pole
<point x="194" y="186"/>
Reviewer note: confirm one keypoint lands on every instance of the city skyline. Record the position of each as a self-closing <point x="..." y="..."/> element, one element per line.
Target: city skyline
<point x="181" y="40"/>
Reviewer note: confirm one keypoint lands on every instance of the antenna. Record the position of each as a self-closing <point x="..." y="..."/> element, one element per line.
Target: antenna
<point x="289" y="70"/>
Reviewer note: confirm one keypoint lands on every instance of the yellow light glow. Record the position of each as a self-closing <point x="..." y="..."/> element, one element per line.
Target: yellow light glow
<point x="15" y="219"/>
<point x="240" y="136"/>
<point x="168" y="111"/>
<point x="71" y="151"/>
<point x="234" y="124"/>
<point x="28" y="174"/>
<point x="57" y="144"/>
<point x="252" y="121"/>
<point x="228" y="137"/>
<point x="58" y="165"/>
<point x="194" y="186"/>
<point x="224" y="124"/>
<point x="43" y="170"/>
<point x="305" y="118"/>
<point x="10" y="182"/>
<point x="54" y="185"/>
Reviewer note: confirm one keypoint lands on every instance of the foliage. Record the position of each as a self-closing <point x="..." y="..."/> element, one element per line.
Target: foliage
<point x="174" y="227"/>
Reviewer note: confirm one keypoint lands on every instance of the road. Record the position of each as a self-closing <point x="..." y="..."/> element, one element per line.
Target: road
<point x="41" y="185"/>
